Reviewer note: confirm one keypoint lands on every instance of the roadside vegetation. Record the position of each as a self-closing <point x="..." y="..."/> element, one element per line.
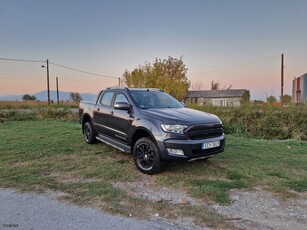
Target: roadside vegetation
<point x="263" y="121"/>
<point x="30" y="104"/>
<point x="41" y="113"/>
<point x="46" y="154"/>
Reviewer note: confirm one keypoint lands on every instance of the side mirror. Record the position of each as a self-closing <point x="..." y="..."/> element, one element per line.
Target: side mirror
<point x="122" y="106"/>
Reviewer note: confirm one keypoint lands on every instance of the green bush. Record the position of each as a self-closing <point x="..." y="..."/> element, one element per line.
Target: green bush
<point x="267" y="122"/>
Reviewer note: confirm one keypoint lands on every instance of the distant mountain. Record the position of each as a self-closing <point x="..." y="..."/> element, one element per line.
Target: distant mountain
<point x="42" y="96"/>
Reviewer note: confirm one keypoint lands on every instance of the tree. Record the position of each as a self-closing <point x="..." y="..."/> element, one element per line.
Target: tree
<point x="287" y="99"/>
<point x="28" y="97"/>
<point x="167" y="74"/>
<point x="75" y="96"/>
<point x="216" y="85"/>
<point x="271" y="99"/>
<point x="246" y="98"/>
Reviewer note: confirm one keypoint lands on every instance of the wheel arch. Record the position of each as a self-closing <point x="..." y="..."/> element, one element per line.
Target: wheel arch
<point x="139" y="133"/>
<point x="85" y="118"/>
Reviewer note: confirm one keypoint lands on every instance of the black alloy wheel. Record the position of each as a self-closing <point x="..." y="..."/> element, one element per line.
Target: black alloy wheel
<point x="146" y="156"/>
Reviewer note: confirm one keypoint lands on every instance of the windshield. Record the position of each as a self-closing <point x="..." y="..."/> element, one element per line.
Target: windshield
<point x="154" y="99"/>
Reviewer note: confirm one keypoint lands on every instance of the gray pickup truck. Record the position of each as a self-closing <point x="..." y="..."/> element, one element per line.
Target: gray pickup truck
<point x="151" y="125"/>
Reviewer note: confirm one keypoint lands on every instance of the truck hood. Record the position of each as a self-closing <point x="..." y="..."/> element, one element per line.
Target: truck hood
<point x="180" y="116"/>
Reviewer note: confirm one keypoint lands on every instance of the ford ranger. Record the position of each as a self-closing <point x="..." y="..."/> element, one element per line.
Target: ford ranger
<point x="151" y="125"/>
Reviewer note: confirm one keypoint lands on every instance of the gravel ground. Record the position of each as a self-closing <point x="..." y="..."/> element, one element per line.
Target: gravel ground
<point x="257" y="210"/>
<point x="260" y="210"/>
<point x="156" y="194"/>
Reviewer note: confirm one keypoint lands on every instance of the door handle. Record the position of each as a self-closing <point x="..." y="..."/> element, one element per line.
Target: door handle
<point x="131" y="119"/>
<point x="112" y="113"/>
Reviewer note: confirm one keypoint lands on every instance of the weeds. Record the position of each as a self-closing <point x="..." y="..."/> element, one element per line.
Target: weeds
<point x="35" y="104"/>
<point x="39" y="114"/>
<point x="267" y="122"/>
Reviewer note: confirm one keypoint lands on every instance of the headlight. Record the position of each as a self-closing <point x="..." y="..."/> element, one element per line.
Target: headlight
<point x="173" y="128"/>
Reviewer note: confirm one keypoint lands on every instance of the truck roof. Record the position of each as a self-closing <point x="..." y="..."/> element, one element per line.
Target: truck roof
<point x="135" y="89"/>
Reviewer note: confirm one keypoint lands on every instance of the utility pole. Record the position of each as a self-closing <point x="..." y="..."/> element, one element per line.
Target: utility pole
<point x="48" y="89"/>
<point x="282" y="80"/>
<point x="57" y="90"/>
<point x="119" y="81"/>
<point x="48" y="82"/>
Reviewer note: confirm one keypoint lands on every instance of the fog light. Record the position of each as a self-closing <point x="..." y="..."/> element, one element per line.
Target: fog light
<point x="176" y="151"/>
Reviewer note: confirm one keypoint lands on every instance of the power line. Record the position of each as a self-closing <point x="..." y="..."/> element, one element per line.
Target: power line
<point x="22" y="60"/>
<point x="236" y="66"/>
<point x="100" y="75"/>
<point x="82" y="71"/>
<point x="62" y="66"/>
<point x="289" y="75"/>
<point x="80" y="80"/>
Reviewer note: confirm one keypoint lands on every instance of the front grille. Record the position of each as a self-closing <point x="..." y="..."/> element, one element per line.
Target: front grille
<point x="206" y="131"/>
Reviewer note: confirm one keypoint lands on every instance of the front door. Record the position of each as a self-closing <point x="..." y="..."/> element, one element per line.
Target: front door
<point x="121" y="119"/>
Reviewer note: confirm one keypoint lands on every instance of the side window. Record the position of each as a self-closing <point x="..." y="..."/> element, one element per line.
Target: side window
<point x="107" y="98"/>
<point x="120" y="98"/>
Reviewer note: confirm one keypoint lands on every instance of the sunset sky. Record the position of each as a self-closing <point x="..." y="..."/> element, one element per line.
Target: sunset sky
<point x="237" y="42"/>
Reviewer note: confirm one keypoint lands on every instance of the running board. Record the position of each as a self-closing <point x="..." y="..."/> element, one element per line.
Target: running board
<point x="116" y="144"/>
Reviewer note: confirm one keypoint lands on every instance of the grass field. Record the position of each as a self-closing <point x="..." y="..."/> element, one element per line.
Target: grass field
<point x="51" y="155"/>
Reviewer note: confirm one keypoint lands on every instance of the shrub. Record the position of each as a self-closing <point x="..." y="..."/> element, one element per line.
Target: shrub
<point x="35" y="104"/>
<point x="38" y="114"/>
<point x="263" y="121"/>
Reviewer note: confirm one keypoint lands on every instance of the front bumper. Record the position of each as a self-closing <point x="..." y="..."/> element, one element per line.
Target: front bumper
<point x="191" y="148"/>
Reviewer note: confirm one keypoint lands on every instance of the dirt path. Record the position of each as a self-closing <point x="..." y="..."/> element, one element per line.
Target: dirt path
<point x="261" y="210"/>
<point x="257" y="209"/>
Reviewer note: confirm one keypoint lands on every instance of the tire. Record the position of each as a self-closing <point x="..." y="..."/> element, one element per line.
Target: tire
<point x="89" y="133"/>
<point x="146" y="156"/>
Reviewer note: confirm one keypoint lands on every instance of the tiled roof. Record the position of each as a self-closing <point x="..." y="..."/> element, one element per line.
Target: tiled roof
<point x="216" y="93"/>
